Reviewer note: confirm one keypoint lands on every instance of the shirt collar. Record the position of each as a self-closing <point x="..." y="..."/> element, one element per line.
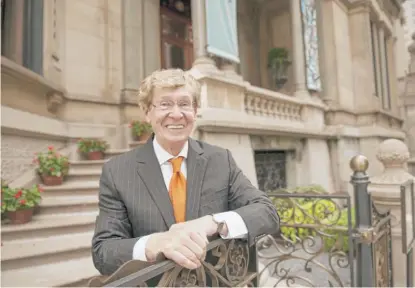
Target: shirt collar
<point x="163" y="156"/>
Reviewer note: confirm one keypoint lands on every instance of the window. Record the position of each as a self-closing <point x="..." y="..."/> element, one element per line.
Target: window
<point x="380" y="59"/>
<point x="270" y="167"/>
<point x="387" y="101"/>
<point x="22" y="32"/>
<point x="375" y="63"/>
<point x="176" y="35"/>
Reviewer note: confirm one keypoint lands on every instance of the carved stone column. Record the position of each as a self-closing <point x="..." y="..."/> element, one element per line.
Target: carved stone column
<point x="385" y="190"/>
<point x="298" y="50"/>
<point x="133" y="48"/>
<point x="202" y="61"/>
<point x="361" y="52"/>
<point x="408" y="109"/>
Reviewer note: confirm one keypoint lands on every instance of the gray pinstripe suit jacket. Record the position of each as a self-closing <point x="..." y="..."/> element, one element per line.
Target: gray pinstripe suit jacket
<point x="133" y="199"/>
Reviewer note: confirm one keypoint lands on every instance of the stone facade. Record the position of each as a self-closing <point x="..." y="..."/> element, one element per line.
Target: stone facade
<point x="95" y="53"/>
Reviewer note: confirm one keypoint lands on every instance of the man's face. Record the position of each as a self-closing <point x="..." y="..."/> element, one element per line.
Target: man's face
<point x="173" y="115"/>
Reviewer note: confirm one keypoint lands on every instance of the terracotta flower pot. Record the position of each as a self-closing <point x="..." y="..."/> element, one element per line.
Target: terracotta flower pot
<point x="95" y="155"/>
<point x="49" y="180"/>
<point x="143" y="137"/>
<point x="20" y="216"/>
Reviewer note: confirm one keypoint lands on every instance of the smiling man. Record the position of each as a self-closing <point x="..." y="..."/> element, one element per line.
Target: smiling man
<point x="168" y="196"/>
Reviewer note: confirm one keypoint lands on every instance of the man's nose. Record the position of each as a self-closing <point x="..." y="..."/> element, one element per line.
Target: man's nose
<point x="176" y="112"/>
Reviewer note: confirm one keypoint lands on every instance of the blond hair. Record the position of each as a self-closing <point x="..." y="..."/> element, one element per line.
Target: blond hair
<point x="167" y="78"/>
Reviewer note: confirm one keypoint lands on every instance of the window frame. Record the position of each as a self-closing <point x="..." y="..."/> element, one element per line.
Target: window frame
<point x="186" y="45"/>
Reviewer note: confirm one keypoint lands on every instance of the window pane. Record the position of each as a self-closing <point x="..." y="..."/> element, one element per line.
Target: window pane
<point x="173" y="56"/>
<point x="174" y="28"/>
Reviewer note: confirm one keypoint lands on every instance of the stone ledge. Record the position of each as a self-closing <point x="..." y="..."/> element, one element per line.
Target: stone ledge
<point x="225" y="121"/>
<point x="340" y="131"/>
<point x="55" y="94"/>
<point x="349" y="117"/>
<point x="21" y="123"/>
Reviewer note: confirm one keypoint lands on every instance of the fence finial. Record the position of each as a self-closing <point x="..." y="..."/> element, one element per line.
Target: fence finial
<point x="359" y="163"/>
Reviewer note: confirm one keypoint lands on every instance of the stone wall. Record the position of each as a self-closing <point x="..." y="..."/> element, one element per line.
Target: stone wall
<point x="18" y="153"/>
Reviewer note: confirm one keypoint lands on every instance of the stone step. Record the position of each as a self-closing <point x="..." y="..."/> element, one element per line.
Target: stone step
<point x="114" y="152"/>
<point x="86" y="164"/>
<point x="30" y="252"/>
<point x="68" y="204"/>
<point x="134" y="144"/>
<point x="78" y="188"/>
<point x="49" y="226"/>
<point x="63" y="273"/>
<point x="86" y="174"/>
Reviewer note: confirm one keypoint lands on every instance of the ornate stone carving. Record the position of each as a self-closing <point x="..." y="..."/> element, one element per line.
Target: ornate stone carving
<point x="272" y="107"/>
<point x="393" y="153"/>
<point x="18" y="152"/>
<point x="54" y="100"/>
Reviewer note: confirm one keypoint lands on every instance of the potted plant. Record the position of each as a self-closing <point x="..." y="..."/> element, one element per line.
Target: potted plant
<point x="18" y="203"/>
<point x="278" y="64"/>
<point x="141" y="130"/>
<point x="93" y="149"/>
<point x="52" y="167"/>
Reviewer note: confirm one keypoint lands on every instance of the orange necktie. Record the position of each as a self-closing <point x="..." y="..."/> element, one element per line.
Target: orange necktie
<point x="177" y="190"/>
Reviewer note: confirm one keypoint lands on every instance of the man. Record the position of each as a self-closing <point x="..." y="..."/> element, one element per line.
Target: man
<point x="168" y="196"/>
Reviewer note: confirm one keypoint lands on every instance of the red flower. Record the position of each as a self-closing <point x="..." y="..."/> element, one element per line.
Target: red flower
<point x="23" y="201"/>
<point x="18" y="194"/>
<point x="39" y="188"/>
<point x="50" y="148"/>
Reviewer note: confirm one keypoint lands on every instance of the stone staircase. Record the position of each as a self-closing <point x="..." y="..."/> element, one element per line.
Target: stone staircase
<point x="54" y="249"/>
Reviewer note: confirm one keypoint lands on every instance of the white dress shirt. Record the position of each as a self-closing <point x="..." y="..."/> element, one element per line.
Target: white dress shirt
<point x="234" y="222"/>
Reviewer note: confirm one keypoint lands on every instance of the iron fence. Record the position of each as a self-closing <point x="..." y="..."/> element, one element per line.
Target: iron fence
<point x="324" y="240"/>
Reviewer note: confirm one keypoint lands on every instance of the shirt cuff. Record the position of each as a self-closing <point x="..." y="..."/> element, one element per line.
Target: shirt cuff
<point x="235" y="224"/>
<point x="139" y="250"/>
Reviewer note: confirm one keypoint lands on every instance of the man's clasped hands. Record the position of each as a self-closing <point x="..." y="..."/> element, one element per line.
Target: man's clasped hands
<point x="185" y="243"/>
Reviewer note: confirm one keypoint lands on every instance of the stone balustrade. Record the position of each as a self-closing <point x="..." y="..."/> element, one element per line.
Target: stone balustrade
<point x="266" y="103"/>
<point x="233" y="105"/>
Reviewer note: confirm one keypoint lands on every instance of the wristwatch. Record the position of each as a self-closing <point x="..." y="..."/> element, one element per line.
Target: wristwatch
<point x="219" y="223"/>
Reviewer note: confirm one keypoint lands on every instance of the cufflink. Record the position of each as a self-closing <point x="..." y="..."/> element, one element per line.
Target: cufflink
<point x="218" y="222"/>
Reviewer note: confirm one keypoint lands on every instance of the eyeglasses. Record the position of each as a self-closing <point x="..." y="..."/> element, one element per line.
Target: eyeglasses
<point x="183" y="105"/>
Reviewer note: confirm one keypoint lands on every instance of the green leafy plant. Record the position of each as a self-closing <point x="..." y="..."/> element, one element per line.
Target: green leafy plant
<point x="92" y="145"/>
<point x="322" y="214"/>
<point x="140" y="128"/>
<point x="15" y="199"/>
<point x="51" y="163"/>
<point x="276" y="56"/>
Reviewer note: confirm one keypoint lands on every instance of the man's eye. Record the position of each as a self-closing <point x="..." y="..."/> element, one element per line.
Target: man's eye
<point x="184" y="104"/>
<point x="165" y="104"/>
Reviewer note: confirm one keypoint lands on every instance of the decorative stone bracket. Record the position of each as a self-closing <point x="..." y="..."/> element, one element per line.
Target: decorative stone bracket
<point x="53" y="100"/>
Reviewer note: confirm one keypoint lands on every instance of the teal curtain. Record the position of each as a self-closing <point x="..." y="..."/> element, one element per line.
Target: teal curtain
<point x="221" y="26"/>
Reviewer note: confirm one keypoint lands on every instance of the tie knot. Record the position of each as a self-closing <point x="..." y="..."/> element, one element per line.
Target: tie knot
<point x="176" y="163"/>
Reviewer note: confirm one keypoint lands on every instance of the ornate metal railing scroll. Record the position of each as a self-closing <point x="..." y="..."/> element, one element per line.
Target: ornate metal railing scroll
<point x="382" y="247"/>
<point x="315" y="247"/>
<point x="230" y="263"/>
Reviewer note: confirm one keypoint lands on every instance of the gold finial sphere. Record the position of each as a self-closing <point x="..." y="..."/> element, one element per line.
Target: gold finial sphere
<point x="359" y="163"/>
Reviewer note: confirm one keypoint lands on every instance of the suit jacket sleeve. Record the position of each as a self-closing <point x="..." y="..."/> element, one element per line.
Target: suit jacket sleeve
<point x="112" y="243"/>
<point x="254" y="206"/>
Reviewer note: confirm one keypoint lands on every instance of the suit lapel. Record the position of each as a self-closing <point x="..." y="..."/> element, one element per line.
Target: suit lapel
<point x="150" y="172"/>
<point x="196" y="168"/>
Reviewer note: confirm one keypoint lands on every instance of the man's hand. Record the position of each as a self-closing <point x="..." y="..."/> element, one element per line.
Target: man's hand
<point x="185" y="243"/>
<point x="186" y="248"/>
